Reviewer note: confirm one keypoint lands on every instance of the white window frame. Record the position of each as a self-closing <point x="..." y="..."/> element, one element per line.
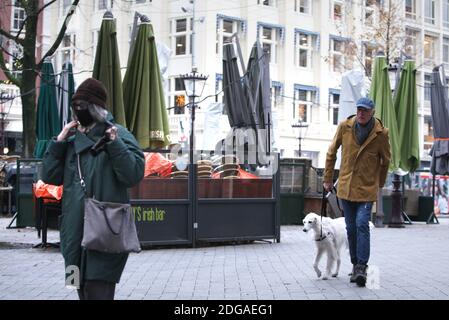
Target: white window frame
<point x="334" y="108"/>
<point x="431" y="56"/>
<point x="221" y="33"/>
<point x="174" y="34"/>
<point x="411" y="42"/>
<point x="445" y="14"/>
<point x="267" y="3"/>
<point x="445" y="52"/>
<point x="16" y="22"/>
<point x="308" y="48"/>
<point x="306" y="104"/>
<point x="427" y="84"/>
<point x="276" y="96"/>
<point x="273" y="42"/>
<point x="340" y="68"/>
<point x="368" y="59"/>
<point x="430" y="8"/>
<point x="94" y="38"/>
<point x="103" y="5"/>
<point x="342" y="6"/>
<point x="16" y="53"/>
<point x="412" y="13"/>
<point x="306" y="5"/>
<point x="172" y="93"/>
<point x="69" y="50"/>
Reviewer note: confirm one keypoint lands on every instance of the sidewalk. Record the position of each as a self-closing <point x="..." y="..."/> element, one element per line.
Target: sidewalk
<point x="411" y="263"/>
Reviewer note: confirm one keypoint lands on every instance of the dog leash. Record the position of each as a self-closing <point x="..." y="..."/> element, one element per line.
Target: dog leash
<point x="323" y="209"/>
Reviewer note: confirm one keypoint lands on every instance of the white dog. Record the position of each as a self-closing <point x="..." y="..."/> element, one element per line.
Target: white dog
<point x="330" y="237"/>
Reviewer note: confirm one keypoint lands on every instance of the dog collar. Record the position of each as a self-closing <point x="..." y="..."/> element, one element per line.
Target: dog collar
<point x="321" y="238"/>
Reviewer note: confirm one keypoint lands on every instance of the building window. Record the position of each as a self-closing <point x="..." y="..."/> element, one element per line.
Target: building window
<point x="181" y="36"/>
<point x="19" y="16"/>
<point x="15" y="59"/>
<point x="368" y="56"/>
<point x="337" y="10"/>
<point x="303" y="106"/>
<point x="428" y="134"/>
<point x="334" y="103"/>
<point x="269" y="3"/>
<point x="446" y="52"/>
<point x="429" y="49"/>
<point x="429" y="11"/>
<point x="446" y="14"/>
<point x="411" y="37"/>
<point x="304" y="50"/>
<point x="303" y="6"/>
<point x="338" y="55"/>
<point x="226" y="28"/>
<point x="67" y="50"/>
<point x="410" y="9"/>
<point x="177" y="98"/>
<point x="270" y="42"/>
<point x="94" y="38"/>
<point x="427" y="83"/>
<point x="105" y="4"/>
<point x="219" y="95"/>
<point x="276" y="95"/>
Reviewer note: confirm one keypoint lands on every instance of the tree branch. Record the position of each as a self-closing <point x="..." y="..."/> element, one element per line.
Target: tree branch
<point x="9" y="36"/>
<point x="42" y="9"/>
<point x="61" y="34"/>
<point x="6" y="71"/>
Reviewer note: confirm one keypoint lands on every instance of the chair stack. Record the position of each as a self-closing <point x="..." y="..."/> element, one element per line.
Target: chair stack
<point x="204" y="168"/>
<point x="227" y="167"/>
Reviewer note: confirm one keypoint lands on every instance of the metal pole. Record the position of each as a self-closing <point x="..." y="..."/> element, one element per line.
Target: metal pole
<point x="396" y="220"/>
<point x="192" y="166"/>
<point x="193" y="34"/>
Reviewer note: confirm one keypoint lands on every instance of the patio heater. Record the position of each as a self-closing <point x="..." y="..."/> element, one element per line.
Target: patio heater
<point x="396" y="220"/>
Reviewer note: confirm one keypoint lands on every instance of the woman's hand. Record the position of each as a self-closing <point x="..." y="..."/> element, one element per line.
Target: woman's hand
<point x="65" y="131"/>
<point x="112" y="133"/>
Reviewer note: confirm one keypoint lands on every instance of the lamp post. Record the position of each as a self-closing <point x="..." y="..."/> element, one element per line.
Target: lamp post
<point x="194" y="86"/>
<point x="396" y="220"/>
<point x="4" y="148"/>
<point x="301" y="127"/>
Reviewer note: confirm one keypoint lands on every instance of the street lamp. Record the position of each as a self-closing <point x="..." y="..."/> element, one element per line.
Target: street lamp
<point x="301" y="127"/>
<point x="396" y="220"/>
<point x="194" y="86"/>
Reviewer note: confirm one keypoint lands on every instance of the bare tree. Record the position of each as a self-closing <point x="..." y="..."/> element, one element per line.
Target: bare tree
<point x="378" y="27"/>
<point x="26" y="39"/>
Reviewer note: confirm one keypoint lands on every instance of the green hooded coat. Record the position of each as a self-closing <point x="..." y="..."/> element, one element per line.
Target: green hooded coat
<point x="107" y="177"/>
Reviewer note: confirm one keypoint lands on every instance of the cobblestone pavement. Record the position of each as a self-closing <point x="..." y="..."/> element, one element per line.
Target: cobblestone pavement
<point x="407" y="263"/>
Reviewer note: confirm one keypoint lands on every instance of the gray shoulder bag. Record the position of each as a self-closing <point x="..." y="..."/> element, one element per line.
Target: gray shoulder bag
<point x="108" y="227"/>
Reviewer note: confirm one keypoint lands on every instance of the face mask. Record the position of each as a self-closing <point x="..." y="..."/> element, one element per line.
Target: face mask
<point x="82" y="113"/>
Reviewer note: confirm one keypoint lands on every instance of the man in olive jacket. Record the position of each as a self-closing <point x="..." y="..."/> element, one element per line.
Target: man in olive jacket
<point x="107" y="175"/>
<point x="364" y="166"/>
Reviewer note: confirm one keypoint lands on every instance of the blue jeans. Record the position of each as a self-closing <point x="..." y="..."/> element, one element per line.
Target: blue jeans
<point x="357" y="217"/>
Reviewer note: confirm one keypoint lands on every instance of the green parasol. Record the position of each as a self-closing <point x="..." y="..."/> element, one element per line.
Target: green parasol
<point x="107" y="67"/>
<point x="146" y="114"/>
<point x="380" y="92"/>
<point x="405" y="104"/>
<point x="47" y="119"/>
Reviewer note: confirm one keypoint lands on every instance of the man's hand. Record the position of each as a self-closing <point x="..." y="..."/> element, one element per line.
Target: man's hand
<point x="65" y="131"/>
<point x="327" y="186"/>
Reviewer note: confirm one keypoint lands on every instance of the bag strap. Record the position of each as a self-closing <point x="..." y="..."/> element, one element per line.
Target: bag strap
<point x="109" y="225"/>
<point x="83" y="184"/>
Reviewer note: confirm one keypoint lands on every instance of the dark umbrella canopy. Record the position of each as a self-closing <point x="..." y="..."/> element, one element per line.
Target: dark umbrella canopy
<point x="66" y="89"/>
<point x="380" y="92"/>
<point x="259" y="97"/>
<point x="405" y="104"/>
<point x="47" y="119"/>
<point x="259" y="94"/>
<point x="440" y="121"/>
<point x="143" y="94"/>
<point x="107" y="67"/>
<point x="239" y="114"/>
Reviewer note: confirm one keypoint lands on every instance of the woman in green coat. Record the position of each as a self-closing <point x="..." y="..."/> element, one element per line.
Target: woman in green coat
<point x="118" y="165"/>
